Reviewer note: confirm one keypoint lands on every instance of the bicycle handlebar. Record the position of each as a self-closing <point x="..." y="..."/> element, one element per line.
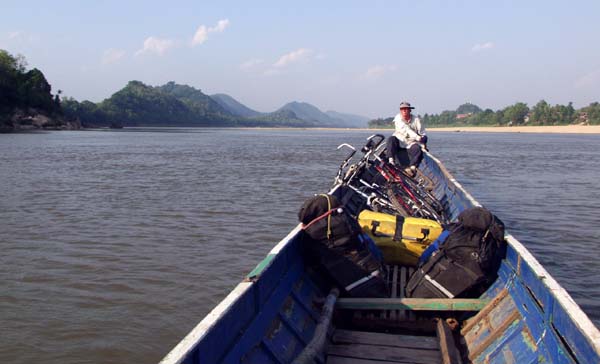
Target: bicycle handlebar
<point x="371" y="143"/>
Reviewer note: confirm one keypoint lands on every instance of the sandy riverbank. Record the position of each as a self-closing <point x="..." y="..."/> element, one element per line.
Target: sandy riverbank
<point x="559" y="129"/>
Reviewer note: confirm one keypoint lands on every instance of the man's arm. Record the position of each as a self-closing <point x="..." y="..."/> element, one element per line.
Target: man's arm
<point x="421" y="130"/>
<point x="420" y="127"/>
<point x="403" y="131"/>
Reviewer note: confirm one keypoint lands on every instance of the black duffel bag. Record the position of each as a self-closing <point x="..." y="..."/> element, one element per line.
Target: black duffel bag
<point x="335" y="245"/>
<point x="467" y="263"/>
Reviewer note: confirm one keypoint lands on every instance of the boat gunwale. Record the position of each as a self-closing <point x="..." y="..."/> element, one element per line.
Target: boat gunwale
<point x="189" y="342"/>
<point x="562" y="296"/>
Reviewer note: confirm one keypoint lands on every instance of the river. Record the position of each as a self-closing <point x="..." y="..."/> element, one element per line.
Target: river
<point x="116" y="243"/>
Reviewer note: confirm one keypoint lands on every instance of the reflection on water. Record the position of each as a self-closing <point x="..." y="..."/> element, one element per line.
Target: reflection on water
<point x="116" y="243"/>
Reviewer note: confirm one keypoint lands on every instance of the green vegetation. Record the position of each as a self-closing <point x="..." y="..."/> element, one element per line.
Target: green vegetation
<point x="282" y="118"/>
<point x="138" y="104"/>
<point x="468" y="108"/>
<point x="25" y="94"/>
<point x="194" y="99"/>
<point x="172" y="104"/>
<point x="518" y="114"/>
<point x="592" y="112"/>
<point x="387" y="123"/>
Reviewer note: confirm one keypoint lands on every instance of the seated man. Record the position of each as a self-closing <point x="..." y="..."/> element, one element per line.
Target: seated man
<point x="409" y="135"/>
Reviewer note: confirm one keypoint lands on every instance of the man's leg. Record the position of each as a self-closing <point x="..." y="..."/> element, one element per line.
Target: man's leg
<point x="415" y="154"/>
<point x="392" y="148"/>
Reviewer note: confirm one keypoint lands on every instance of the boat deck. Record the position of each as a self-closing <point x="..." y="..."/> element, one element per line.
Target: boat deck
<point x="356" y="347"/>
<point x="368" y="347"/>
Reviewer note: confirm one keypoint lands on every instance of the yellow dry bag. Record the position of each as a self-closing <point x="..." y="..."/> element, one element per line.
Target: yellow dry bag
<point x="401" y="239"/>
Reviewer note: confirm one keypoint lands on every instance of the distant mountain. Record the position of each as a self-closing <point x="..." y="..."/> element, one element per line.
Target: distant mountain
<point x="285" y="118"/>
<point x="357" y="121"/>
<point x="172" y="104"/>
<point x="197" y="101"/>
<point x="308" y="112"/>
<point x="138" y="104"/>
<point x="233" y="106"/>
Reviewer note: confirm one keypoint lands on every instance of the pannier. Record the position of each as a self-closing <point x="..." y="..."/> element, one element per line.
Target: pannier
<point x="466" y="263"/>
<point x="335" y="245"/>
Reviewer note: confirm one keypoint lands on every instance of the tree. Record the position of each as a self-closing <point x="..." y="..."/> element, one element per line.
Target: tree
<point x="34" y="91"/>
<point x="9" y="71"/>
<point x="541" y="113"/>
<point x="57" y="99"/>
<point x="486" y="117"/>
<point x="383" y="123"/>
<point x="565" y="114"/>
<point x="468" y="108"/>
<point x="515" y="114"/>
<point x="593" y="113"/>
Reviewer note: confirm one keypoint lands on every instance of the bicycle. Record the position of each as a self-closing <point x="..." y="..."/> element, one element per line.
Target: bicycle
<point x="400" y="195"/>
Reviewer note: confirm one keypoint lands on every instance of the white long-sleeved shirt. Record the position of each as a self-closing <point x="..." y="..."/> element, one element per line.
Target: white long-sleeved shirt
<point x="408" y="133"/>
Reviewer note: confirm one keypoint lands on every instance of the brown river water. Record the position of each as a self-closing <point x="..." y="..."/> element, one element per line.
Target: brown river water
<point x="114" y="244"/>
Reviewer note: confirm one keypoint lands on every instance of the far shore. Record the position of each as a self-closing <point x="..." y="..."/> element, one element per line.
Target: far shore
<point x="550" y="129"/>
<point x="553" y="129"/>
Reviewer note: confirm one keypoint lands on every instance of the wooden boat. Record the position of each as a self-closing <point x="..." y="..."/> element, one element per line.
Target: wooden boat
<point x="281" y="313"/>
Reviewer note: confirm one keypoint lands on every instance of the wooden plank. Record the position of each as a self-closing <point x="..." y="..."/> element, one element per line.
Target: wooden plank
<point x="421" y="327"/>
<point x="343" y="360"/>
<point x="488" y="323"/>
<point x="448" y="350"/>
<point x="484" y="312"/>
<point x="414" y="304"/>
<point x="496" y="334"/>
<point x="394" y="313"/>
<point x="395" y="281"/>
<point x="388" y="282"/>
<point x="410" y="315"/>
<point x="385" y="353"/>
<point x="402" y="315"/>
<point x="374" y="338"/>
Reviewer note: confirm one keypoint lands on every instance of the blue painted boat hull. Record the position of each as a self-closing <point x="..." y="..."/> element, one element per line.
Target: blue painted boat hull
<point x="271" y="316"/>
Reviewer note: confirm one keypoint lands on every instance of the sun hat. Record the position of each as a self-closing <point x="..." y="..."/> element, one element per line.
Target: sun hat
<point x="405" y="104"/>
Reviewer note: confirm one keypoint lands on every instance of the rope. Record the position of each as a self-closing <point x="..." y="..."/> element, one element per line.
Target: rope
<point x="328" y="216"/>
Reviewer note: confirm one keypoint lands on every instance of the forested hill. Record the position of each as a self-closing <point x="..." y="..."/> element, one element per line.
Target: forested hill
<point x="234" y="106"/>
<point x="197" y="101"/>
<point x="26" y="101"/>
<point x="541" y="113"/>
<point x="306" y="111"/>
<point x="172" y="104"/>
<point x="138" y="104"/>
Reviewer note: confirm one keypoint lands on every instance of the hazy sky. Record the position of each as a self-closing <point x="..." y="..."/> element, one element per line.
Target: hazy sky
<point x="361" y="57"/>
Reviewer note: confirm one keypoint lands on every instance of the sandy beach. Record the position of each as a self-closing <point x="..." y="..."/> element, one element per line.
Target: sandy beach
<point x="559" y="129"/>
